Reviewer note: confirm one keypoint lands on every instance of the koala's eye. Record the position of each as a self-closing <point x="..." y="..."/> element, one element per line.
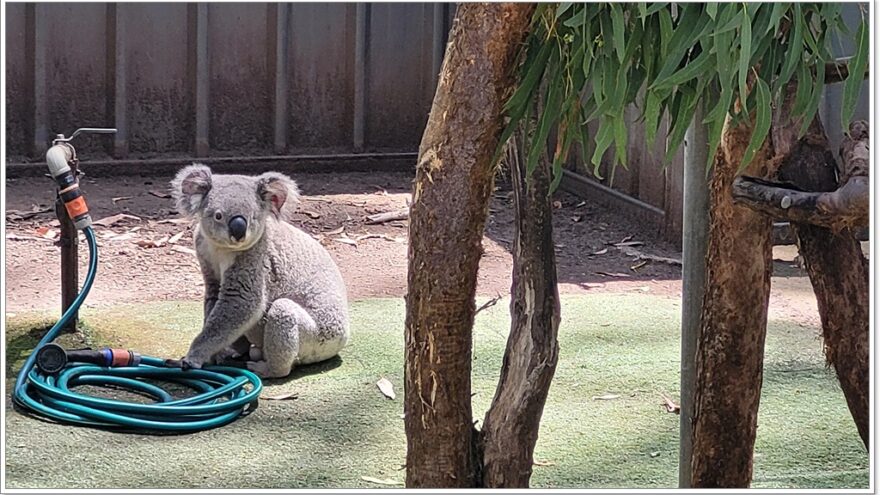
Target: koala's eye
<point x="218" y="216"/>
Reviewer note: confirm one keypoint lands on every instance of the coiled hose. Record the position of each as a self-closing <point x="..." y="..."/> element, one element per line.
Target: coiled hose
<point x="221" y="393"/>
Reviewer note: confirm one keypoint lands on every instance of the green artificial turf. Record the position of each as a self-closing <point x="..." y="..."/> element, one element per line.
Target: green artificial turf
<point x="340" y="428"/>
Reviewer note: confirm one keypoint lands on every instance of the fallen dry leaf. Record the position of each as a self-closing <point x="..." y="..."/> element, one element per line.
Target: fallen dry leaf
<point x="577" y="218"/>
<point x="284" y="396"/>
<point x="159" y="194"/>
<point x="557" y="204"/>
<point x="614" y="274"/>
<point x="312" y="214"/>
<point x="536" y="462"/>
<point x="606" y="397"/>
<point x="335" y="231"/>
<point x="176" y="237"/>
<point x="638" y="265"/>
<point x="601" y="251"/>
<point x="346" y="240"/>
<point x="46" y="232"/>
<point x="16" y="237"/>
<point x="24" y="215"/>
<point x="182" y="249"/>
<point x="111" y="220"/>
<point x="628" y="243"/>
<point x="386" y="388"/>
<point x="380" y="482"/>
<point x="120" y="198"/>
<point x="176" y="221"/>
<point x="150" y="243"/>
<point x="122" y="237"/>
<point x="671" y="407"/>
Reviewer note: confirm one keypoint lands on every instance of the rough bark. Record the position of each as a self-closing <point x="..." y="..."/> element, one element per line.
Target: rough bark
<point x="453" y="184"/>
<point x="840" y="208"/>
<point x="730" y="347"/>
<point x="836" y="265"/>
<point x="510" y="429"/>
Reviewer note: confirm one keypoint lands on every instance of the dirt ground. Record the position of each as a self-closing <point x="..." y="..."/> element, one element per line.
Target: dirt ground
<point x="147" y="255"/>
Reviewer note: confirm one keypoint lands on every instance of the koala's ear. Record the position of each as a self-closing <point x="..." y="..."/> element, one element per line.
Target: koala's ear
<point x="190" y="186"/>
<point x="280" y="191"/>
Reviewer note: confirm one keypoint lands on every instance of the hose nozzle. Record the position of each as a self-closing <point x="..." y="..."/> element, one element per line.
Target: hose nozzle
<point x="52" y="358"/>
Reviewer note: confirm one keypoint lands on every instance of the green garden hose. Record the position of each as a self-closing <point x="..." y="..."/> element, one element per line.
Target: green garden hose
<point x="222" y="393"/>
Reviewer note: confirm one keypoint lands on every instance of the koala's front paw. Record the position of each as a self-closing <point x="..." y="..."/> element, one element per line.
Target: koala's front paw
<point x="190" y="363"/>
<point x="228" y="354"/>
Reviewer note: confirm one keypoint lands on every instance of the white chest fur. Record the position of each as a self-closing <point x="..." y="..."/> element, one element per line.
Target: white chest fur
<point x="220" y="259"/>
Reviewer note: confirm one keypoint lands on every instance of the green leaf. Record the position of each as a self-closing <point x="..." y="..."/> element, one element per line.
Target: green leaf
<point x="681" y="122"/>
<point x="805" y="86"/>
<point x="682" y="39"/>
<point x="731" y="24"/>
<point x="744" y="55"/>
<point x="548" y="118"/>
<point x="620" y="139"/>
<point x="853" y="83"/>
<point x="576" y="20"/>
<point x="603" y="141"/>
<point x="794" y="49"/>
<point x="665" y="32"/>
<point x="779" y="10"/>
<point x="563" y="8"/>
<point x="712" y="10"/>
<point x="617" y="30"/>
<point x="720" y="111"/>
<point x="657" y="7"/>
<point x="691" y="70"/>
<point x="815" y="98"/>
<point x="652" y="115"/>
<point x="762" y="124"/>
<point x="535" y="69"/>
<point x="715" y="129"/>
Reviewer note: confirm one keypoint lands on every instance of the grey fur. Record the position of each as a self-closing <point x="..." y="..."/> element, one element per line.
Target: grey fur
<point x="277" y="288"/>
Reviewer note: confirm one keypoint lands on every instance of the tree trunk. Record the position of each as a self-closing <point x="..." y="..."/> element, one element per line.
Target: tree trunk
<point x="833" y="256"/>
<point x="453" y="184"/>
<point x="834" y="261"/>
<point x="510" y="430"/>
<point x="730" y="347"/>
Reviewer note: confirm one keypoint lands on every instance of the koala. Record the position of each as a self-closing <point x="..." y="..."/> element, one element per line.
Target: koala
<point x="272" y="292"/>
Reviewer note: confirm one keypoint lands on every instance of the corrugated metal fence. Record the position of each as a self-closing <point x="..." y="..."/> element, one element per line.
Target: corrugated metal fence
<point x="324" y="81"/>
<point x="223" y="78"/>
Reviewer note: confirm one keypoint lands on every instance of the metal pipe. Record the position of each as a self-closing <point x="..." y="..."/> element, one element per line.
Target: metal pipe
<point x="695" y="239"/>
<point x="360" y="74"/>
<point x="59" y="160"/>
<point x="571" y="177"/>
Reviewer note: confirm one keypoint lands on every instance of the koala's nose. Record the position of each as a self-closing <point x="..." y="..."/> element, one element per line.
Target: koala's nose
<point x="238" y="227"/>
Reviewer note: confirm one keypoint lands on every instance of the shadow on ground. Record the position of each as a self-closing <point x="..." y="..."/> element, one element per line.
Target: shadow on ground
<point x="339" y="428"/>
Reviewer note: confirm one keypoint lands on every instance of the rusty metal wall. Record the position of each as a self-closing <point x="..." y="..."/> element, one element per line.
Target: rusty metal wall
<point x="222" y="79"/>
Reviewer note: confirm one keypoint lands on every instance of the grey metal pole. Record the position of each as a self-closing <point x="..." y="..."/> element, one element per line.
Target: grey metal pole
<point x="695" y="236"/>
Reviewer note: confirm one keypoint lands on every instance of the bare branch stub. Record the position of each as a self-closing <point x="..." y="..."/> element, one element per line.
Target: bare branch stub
<point x="845" y="207"/>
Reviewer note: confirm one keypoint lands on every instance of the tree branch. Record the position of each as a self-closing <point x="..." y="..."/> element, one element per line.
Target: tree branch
<point x="843" y="208"/>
